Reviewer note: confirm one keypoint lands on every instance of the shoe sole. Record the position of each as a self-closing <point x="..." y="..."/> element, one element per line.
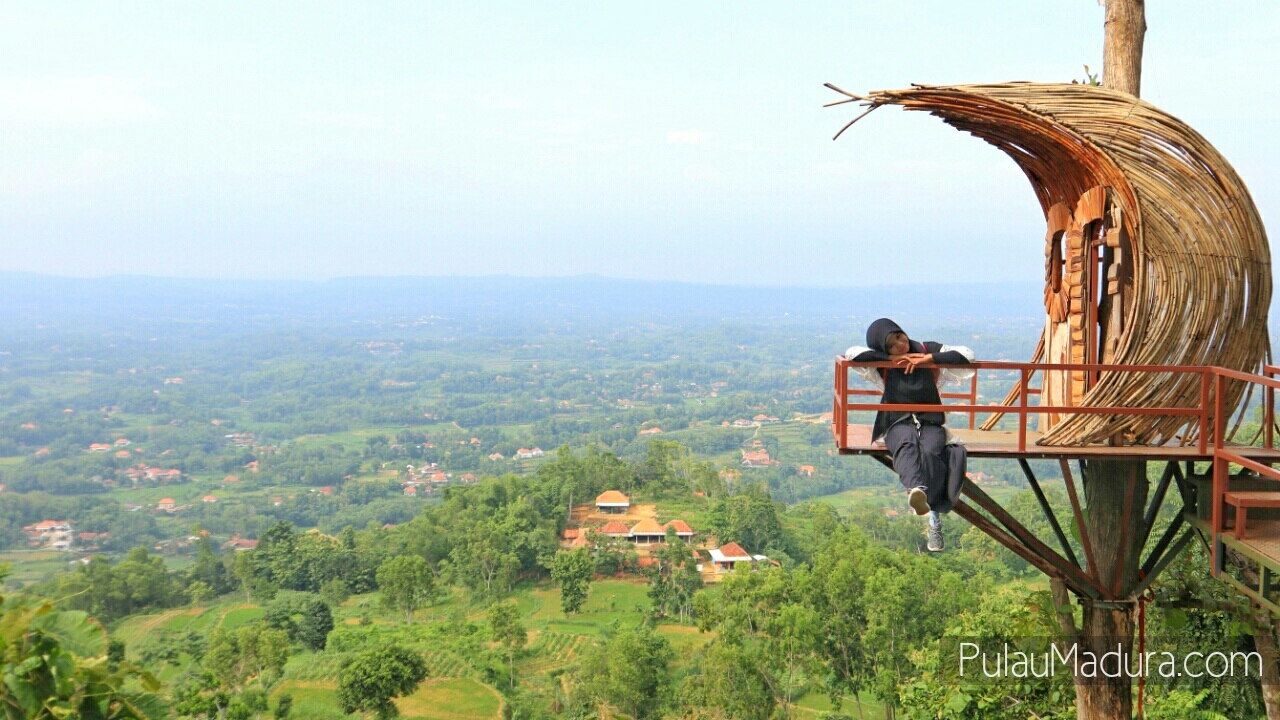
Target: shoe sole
<point x="918" y="502"/>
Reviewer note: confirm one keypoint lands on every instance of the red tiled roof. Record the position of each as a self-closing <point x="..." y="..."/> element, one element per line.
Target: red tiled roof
<point x="681" y="527"/>
<point x="615" y="528"/>
<point x="733" y="549"/>
<point x="612" y="496"/>
<point x="570" y="533"/>
<point x="648" y="526"/>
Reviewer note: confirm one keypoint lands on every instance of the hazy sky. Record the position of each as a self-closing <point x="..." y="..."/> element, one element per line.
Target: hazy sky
<point x="681" y="141"/>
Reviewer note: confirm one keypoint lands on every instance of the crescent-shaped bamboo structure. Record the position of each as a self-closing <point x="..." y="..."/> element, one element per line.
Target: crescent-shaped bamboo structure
<point x="1196" y="281"/>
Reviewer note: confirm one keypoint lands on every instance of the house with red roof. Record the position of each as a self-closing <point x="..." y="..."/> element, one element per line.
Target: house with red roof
<point x="683" y="531"/>
<point x="648" y="532"/>
<point x="495" y="456"/>
<point x="806" y="470"/>
<point x="613" y="502"/>
<point x="756" y="458"/>
<point x="99" y="448"/>
<point x="469" y="478"/>
<point x="728" y="556"/>
<point x="238" y="544"/>
<point x="651" y="431"/>
<point x="122" y="442"/>
<point x="209" y="498"/>
<point x="411" y="491"/>
<point x="615" y="529"/>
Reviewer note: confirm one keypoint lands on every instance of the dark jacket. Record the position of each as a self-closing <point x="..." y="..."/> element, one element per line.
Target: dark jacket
<point x="917" y="388"/>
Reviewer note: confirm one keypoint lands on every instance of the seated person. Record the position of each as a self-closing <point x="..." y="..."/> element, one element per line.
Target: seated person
<point x="929" y="464"/>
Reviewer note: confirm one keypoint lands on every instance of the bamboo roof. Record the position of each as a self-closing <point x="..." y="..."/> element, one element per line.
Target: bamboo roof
<point x="1202" y="266"/>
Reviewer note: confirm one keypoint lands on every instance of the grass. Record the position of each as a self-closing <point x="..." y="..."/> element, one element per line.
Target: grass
<point x="239" y="615"/>
<point x="314" y="700"/>
<point x="32" y="566"/>
<point x="453" y="699"/>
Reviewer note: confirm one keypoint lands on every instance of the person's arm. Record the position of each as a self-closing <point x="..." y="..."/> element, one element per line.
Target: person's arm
<point x="948" y="355"/>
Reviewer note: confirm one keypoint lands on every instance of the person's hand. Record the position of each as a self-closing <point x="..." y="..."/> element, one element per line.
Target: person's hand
<point x="914" y="360"/>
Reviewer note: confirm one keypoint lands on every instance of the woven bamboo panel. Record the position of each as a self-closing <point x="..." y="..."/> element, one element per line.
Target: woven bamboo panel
<point x="1198" y="263"/>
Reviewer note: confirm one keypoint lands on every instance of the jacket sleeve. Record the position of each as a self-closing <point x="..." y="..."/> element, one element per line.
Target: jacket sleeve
<point x="949" y="354"/>
<point x="858" y="353"/>
<point x="953" y="375"/>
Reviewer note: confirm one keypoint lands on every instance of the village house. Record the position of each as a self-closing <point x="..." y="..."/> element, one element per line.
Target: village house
<point x="209" y="499"/>
<point x="613" y="502"/>
<point x="47" y="532"/>
<point x="651" y="431"/>
<point x="683" y="531"/>
<point x="648" y="532"/>
<point x="166" y="504"/>
<point x="615" y="529"/>
<point x="727" y="556"/>
<point x="806" y="470"/>
<point x="469" y="478"/>
<point x="891" y="513"/>
<point x="123" y="454"/>
<point x="251" y="466"/>
<point x="99" y="448"/>
<point x="122" y="442"/>
<point x="411" y="491"/>
<point x="495" y="456"/>
<point x="756" y="458"/>
<point x="743" y="423"/>
<point x="238" y="544"/>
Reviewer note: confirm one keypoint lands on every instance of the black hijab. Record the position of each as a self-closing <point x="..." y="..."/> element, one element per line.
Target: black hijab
<point x="900" y="387"/>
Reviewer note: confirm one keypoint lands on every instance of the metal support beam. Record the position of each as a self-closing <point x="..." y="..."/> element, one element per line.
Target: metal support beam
<point x="980" y="521"/>
<point x="883" y="461"/>
<point x="1157" y="499"/>
<point x="1048" y="511"/>
<point x="1169" y="534"/>
<point x="1079" y="514"/>
<point x="1066" y="569"/>
<point x="1163" y="562"/>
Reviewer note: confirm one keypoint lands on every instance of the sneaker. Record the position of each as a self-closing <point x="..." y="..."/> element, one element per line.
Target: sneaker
<point x="934" y="536"/>
<point x="918" y="501"/>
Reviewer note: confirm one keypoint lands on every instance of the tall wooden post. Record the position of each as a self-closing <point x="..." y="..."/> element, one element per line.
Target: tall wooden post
<point x="1115" y="491"/>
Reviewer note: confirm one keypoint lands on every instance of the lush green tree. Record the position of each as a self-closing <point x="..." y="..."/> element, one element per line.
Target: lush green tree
<point x="506" y="629"/>
<point x="727" y="682"/>
<point x="406" y="583"/>
<point x="370" y="680"/>
<point x="284" y="705"/>
<point x="674" y="580"/>
<point x="253" y="650"/>
<point x="199" y="591"/>
<point x="630" y="672"/>
<point x="573" y="570"/>
<point x="335" y="592"/>
<point x="315" y="625"/>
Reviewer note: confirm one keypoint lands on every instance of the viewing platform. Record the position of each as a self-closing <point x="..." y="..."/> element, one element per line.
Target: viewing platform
<point x="1230" y="491"/>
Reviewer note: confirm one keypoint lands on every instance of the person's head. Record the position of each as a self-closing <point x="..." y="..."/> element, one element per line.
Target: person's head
<point x="897" y="343"/>
<point x="885" y="336"/>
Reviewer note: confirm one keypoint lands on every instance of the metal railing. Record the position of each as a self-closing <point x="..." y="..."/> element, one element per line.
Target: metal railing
<point x="1203" y="416"/>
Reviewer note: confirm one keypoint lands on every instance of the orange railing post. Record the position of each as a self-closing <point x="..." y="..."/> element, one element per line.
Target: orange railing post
<point x="1023" y="377"/>
<point x="1203" y="445"/>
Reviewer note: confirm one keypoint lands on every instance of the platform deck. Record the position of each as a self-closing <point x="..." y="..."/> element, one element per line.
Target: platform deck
<point x="1004" y="444"/>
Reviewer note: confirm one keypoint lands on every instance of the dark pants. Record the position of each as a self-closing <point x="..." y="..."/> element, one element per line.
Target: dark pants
<point x="922" y="458"/>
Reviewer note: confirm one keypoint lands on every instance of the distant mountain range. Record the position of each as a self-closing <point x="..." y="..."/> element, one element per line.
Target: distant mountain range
<point x="26" y="298"/>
